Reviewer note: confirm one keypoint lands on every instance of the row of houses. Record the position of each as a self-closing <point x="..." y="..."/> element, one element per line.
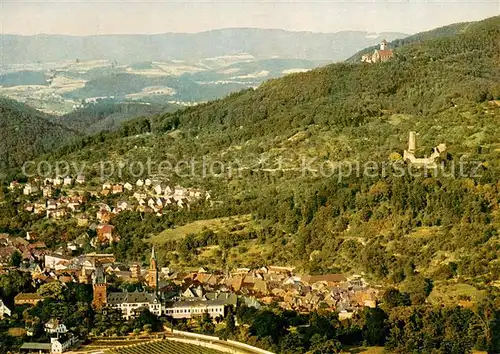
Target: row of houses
<point x="158" y="199"/>
<point x="46" y="184"/>
<point x="269" y="284"/>
<point x="303" y="293"/>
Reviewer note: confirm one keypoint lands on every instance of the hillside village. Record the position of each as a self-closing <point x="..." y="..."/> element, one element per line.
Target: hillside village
<point x="286" y="264"/>
<point x="90" y="207"/>
<point x="178" y="294"/>
<point x="132" y="288"/>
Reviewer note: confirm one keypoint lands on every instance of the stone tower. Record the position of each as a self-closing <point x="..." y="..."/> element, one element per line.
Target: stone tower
<point x="384" y="45"/>
<point x="153" y="271"/>
<point x="100" y="288"/>
<point x="412" y="142"/>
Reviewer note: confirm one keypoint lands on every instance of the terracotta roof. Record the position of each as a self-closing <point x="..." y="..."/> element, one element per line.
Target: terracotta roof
<point x="385" y="53"/>
<point x="105" y="228"/>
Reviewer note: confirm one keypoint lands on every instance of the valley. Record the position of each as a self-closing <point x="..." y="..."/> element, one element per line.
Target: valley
<point x="294" y="205"/>
<point x="56" y="83"/>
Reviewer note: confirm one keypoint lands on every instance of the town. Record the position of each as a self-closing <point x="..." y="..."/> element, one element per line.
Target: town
<point x="176" y="294"/>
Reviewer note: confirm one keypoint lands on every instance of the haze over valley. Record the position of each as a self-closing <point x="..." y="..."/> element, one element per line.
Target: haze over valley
<point x="56" y="73"/>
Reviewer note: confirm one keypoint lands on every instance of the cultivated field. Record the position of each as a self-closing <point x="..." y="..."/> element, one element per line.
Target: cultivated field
<point x="164" y="347"/>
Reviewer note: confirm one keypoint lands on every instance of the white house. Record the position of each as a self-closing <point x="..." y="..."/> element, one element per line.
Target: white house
<point x="61" y="344"/>
<point x="57" y="345"/>
<point x="13" y="185"/>
<point x="193" y="308"/>
<point x="52" y="261"/>
<point x="57" y="181"/>
<point x="4" y="310"/>
<point x="30" y="189"/>
<point x="158" y="189"/>
<point x="47" y="191"/>
<point x="131" y="302"/>
<point x="179" y="191"/>
<point x="80" y="179"/>
<point x="55" y="326"/>
<point x="122" y="205"/>
<point x="140" y="195"/>
<point x="68" y="181"/>
<point x="195" y="303"/>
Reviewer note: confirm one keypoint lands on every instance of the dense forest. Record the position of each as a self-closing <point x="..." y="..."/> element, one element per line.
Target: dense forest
<point x="26" y="133"/>
<point x="442" y="88"/>
<point x="413" y="231"/>
<point x="108" y="115"/>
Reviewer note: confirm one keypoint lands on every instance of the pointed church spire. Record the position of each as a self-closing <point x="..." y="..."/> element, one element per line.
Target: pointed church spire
<point x="153" y="270"/>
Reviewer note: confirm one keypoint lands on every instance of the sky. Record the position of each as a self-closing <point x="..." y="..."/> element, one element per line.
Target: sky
<point x="90" y="17"/>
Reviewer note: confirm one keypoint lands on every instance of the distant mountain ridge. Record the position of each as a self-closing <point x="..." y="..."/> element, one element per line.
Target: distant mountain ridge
<point x="440" y="32"/>
<point x="261" y="43"/>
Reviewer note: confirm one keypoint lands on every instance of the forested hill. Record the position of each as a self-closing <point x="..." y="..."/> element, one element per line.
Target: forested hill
<point x="107" y="115"/>
<point x="441" y="32"/>
<point x="385" y="225"/>
<point x="425" y="78"/>
<point x="433" y="236"/>
<point x="26" y="133"/>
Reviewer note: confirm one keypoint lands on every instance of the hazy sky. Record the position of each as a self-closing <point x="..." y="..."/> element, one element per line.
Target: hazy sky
<point x="122" y="16"/>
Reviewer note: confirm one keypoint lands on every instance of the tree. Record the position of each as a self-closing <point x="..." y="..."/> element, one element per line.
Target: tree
<point x="488" y="317"/>
<point x="145" y="317"/>
<point x="292" y="343"/>
<point x="374" y="327"/>
<point x="147" y="328"/>
<point x="206" y="324"/>
<point x="394" y="298"/>
<point x="54" y="290"/>
<point x="331" y="346"/>
<point x="230" y="322"/>
<point x="16" y="259"/>
<point x="124" y="330"/>
<point x="14" y="283"/>
<point x="418" y="289"/>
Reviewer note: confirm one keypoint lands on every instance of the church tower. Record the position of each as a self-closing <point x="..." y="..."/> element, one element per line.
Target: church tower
<point x="100" y="288"/>
<point x="153" y="271"/>
<point x="384" y="45"/>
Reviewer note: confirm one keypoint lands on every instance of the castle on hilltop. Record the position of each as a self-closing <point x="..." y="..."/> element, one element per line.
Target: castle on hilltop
<point x="379" y="55"/>
<point x="428" y="162"/>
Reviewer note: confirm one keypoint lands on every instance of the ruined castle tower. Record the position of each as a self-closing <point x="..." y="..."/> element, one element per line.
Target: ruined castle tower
<point x="412" y="142"/>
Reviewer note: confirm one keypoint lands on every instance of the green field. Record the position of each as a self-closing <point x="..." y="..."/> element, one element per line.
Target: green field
<point x="455" y="293"/>
<point x="164" y="347"/>
<point x="245" y="253"/>
<point x="215" y="225"/>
